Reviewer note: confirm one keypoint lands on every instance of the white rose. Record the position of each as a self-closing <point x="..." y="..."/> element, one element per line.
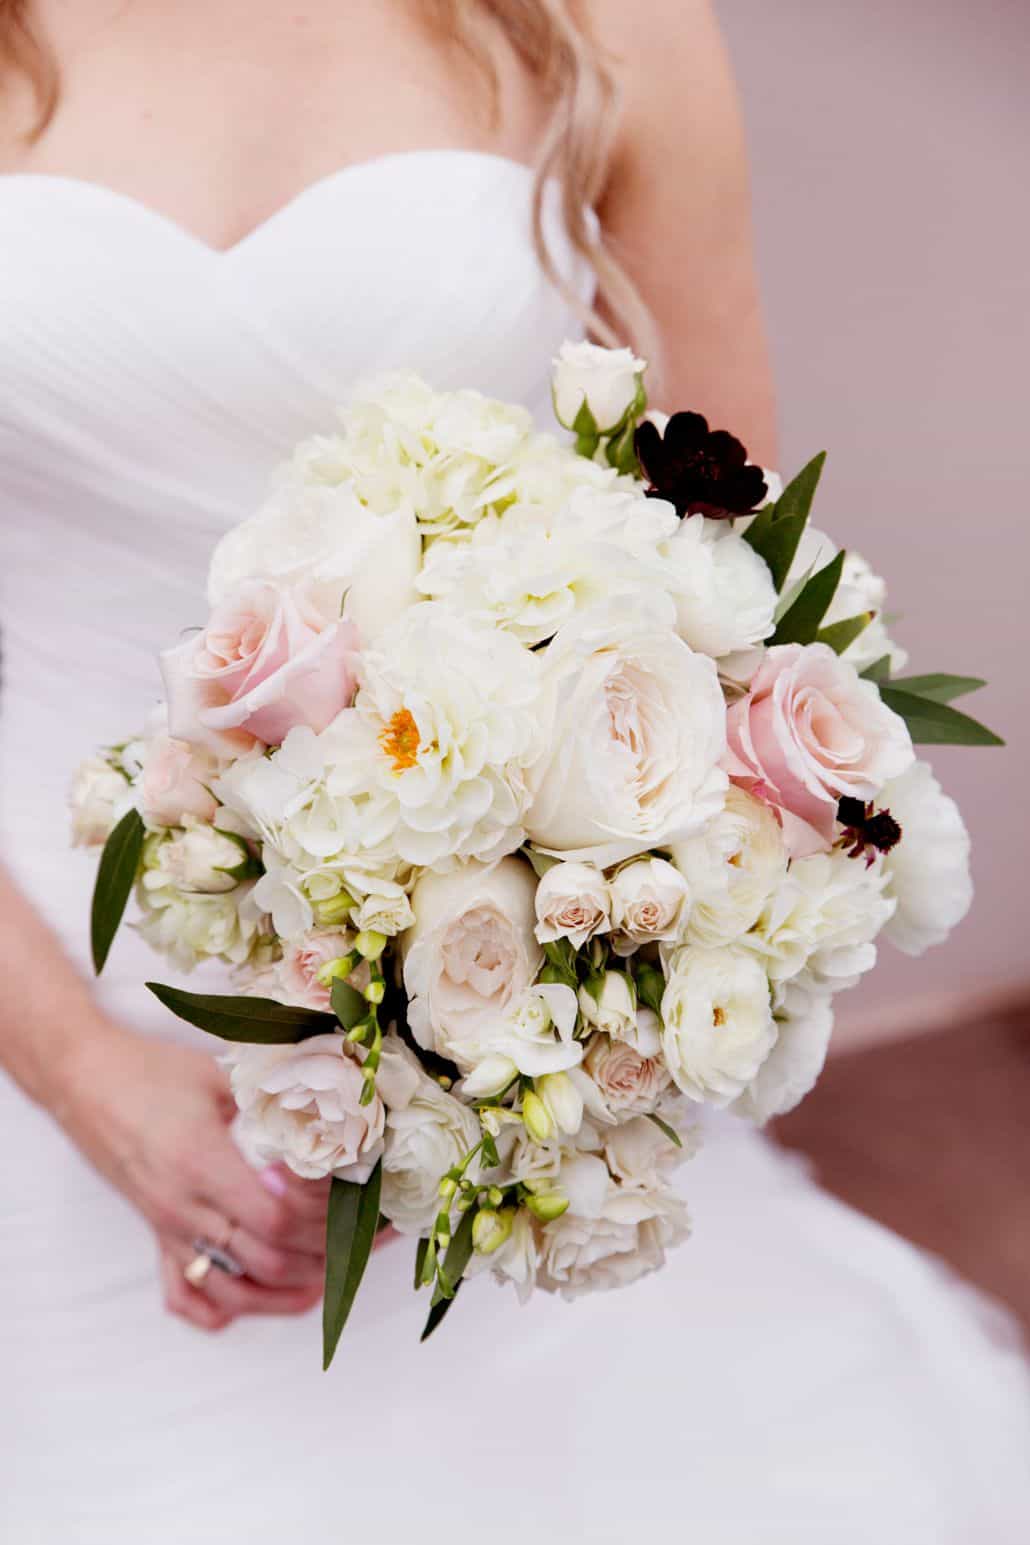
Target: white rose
<point x="470" y="955"/>
<point x="860" y="590"/>
<point x="100" y="795"/>
<point x="637" y="730"/>
<point x="199" y="860"/>
<point x="650" y="904"/>
<point x="724" y="593"/>
<point x="609" y="381"/>
<point x="535" y="1036"/>
<point x="614" y="1007"/>
<point x="427" y="1136"/>
<point x="717" y="1021"/>
<point x="819" y="926"/>
<point x="731" y="869"/>
<point x="928" y="871"/>
<point x="804" y="1024"/>
<point x="301" y="1105"/>
<point x="572" y="903"/>
<point x="615" y="1081"/>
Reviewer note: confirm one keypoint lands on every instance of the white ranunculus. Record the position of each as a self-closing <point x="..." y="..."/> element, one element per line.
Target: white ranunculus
<point x="100" y="795"/>
<point x="818" y="927"/>
<point x="804" y="1024"/>
<point x="614" y="1081"/>
<point x="572" y="902"/>
<point x="724" y="593"/>
<point x="717" y="1021"/>
<point x="470" y="956"/>
<point x="535" y="1036"/>
<point x="607" y="380"/>
<point x="731" y="869"/>
<point x="860" y="590"/>
<point x="301" y="1105"/>
<point x="425" y="1137"/>
<point x="637" y="730"/>
<point x="614" y="1007"/>
<point x="928" y="871"/>
<point x="198" y="859"/>
<point x="650" y="904"/>
<point x="530" y="570"/>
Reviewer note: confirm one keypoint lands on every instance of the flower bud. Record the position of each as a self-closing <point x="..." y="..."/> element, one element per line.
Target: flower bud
<point x="548" y="1205"/>
<point x="335" y="910"/>
<point x="370" y="945"/>
<point x="563" y="1101"/>
<point x="536" y="1117"/>
<point x="607" y="383"/>
<point x="375" y="992"/>
<point x="447" y="1187"/>
<point x="338" y="969"/>
<point x="491" y="1229"/>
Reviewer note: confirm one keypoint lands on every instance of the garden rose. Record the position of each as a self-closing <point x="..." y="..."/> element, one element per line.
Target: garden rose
<point x="572" y="902"/>
<point x="717" y="1022"/>
<point x="731" y="869"/>
<point x="650" y="904"/>
<point x="270" y="658"/>
<point x="607" y="380"/>
<point x="809" y="732"/>
<point x="615" y="1081"/>
<point x="303" y="958"/>
<point x="174" y="782"/>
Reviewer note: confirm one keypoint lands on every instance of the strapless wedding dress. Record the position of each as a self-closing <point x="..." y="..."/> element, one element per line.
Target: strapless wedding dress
<point x="795" y="1374"/>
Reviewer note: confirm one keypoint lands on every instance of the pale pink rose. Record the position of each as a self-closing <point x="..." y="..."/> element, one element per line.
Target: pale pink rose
<point x="302" y="960"/>
<point x="268" y="660"/>
<point x="174" y="783"/>
<point x="809" y="732"/>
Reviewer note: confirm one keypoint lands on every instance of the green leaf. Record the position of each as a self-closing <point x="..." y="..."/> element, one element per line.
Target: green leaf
<point x="940" y="688"/>
<point x="663" y="1126"/>
<point x="880" y="669"/>
<point x="541" y="862"/>
<point x="421" y="1251"/>
<point x="561" y="957"/>
<point x="935" y="724"/>
<point x="800" y="624"/>
<point x="119" y="863"/>
<point x="350" y="1235"/>
<point x="841" y="635"/>
<point x="348" y="1004"/>
<point x="258" y="1021"/>
<point x="777" y="529"/>
<point x="459" y="1253"/>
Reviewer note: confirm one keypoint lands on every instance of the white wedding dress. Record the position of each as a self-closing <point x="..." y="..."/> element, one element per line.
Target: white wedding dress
<point x="795" y="1374"/>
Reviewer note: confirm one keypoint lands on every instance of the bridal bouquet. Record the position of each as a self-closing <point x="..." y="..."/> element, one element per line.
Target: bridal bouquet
<point x="539" y="792"/>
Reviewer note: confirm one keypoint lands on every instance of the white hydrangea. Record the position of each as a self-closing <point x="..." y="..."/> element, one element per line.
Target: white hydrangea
<point x="928" y="871"/>
<point x="819" y="926"/>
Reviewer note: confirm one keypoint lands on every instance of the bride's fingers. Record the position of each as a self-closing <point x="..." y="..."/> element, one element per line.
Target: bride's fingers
<point x="272" y="1265"/>
<point x="185" y="1301"/>
<point x="308" y="1198"/>
<point x="232" y="1296"/>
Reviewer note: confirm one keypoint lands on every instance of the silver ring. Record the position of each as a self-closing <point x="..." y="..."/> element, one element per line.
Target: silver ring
<point x="215" y="1256"/>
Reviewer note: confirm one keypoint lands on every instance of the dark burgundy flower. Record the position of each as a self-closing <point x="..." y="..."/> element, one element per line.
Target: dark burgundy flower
<point x="700" y="470"/>
<point x="866" y="830"/>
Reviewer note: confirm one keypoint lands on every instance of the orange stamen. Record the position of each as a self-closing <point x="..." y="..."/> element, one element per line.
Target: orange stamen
<point x="400" y="740"/>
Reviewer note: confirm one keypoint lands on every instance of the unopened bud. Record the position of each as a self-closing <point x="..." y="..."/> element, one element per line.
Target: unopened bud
<point x="334" y="910"/>
<point x="370" y="945"/>
<point x="375" y="992"/>
<point x="447" y="1187"/>
<point x="495" y="1196"/>
<point x="563" y="1101"/>
<point x="491" y="1229"/>
<point x="336" y="970"/>
<point x="548" y="1205"/>
<point x="536" y="1117"/>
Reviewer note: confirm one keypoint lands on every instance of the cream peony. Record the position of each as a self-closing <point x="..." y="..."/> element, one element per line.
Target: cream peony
<point x="637" y="729"/>
<point x="717" y="1022"/>
<point x="819" y="926"/>
<point x="470" y="956"/>
<point x="607" y="381"/>
<point x="804" y="1024"/>
<point x="572" y="902"/>
<point x="928" y="872"/>
<point x="731" y="869"/>
<point x="301" y="1106"/>
<point x="724" y="593"/>
<point x="650" y="903"/>
<point x="809" y="732"/>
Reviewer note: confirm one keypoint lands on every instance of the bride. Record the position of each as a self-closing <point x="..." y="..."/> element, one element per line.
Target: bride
<point x="214" y="219"/>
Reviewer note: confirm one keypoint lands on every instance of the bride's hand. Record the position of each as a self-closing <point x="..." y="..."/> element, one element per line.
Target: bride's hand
<point x="154" y="1118"/>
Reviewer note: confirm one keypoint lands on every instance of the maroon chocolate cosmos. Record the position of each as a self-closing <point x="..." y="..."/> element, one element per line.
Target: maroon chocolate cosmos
<point x="700" y="470"/>
<point x="866" y="830"/>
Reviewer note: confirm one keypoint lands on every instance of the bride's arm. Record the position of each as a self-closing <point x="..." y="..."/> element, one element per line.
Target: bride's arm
<point x="153" y="1118"/>
<point x="677" y="211"/>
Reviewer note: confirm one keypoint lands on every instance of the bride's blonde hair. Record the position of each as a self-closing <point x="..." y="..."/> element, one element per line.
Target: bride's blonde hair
<point x="576" y="84"/>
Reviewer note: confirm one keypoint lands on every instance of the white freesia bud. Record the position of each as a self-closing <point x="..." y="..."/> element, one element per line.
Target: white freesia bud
<point x="200" y="861"/>
<point x="547" y="1205"/>
<point x="572" y="903"/>
<point x="650" y="903"/>
<point x="99" y="797"/>
<point x="537" y="1118"/>
<point x="563" y="1101"/>
<point x="491" y="1229"/>
<point x="718" y="1023"/>
<point x="614" y="1009"/>
<point x="609" y="381"/>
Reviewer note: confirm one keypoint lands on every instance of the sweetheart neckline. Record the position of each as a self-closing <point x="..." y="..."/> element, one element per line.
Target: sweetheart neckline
<point x="389" y="159"/>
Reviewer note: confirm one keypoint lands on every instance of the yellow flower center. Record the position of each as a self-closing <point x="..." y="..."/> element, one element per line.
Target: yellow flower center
<point x="719" y="1017"/>
<point x="400" y="740"/>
